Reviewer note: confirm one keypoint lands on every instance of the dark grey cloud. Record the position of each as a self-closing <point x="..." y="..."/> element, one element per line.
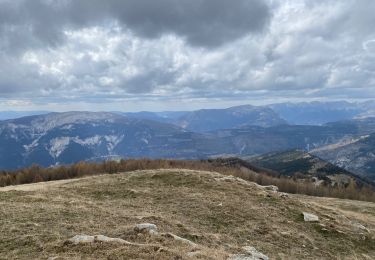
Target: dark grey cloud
<point x="101" y="51"/>
<point x="207" y="23"/>
<point x="201" y="22"/>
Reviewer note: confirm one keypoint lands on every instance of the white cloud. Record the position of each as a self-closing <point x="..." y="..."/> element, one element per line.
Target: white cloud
<point x="310" y="49"/>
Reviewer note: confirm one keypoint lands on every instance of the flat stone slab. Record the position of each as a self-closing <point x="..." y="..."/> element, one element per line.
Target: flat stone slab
<point x="151" y="228"/>
<point x="308" y="217"/>
<point x="83" y="239"/>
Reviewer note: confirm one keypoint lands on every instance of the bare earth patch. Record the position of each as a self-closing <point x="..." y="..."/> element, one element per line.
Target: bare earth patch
<point x="220" y="215"/>
<point x="36" y="186"/>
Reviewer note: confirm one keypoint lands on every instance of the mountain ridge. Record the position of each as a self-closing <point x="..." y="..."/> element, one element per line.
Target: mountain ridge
<point x="358" y="155"/>
<point x="303" y="165"/>
<point x="63" y="138"/>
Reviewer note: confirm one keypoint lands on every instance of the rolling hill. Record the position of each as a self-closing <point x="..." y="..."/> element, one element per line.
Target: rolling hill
<point x="197" y="215"/>
<point x="356" y="155"/>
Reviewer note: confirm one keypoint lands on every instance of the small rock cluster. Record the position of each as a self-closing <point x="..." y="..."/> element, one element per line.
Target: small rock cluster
<point x="140" y="228"/>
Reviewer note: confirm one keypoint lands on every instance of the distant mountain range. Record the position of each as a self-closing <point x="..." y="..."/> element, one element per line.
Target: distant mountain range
<point x="318" y="113"/>
<point x="4" y="115"/>
<point x="214" y="119"/>
<point x="252" y="140"/>
<point x="303" y="113"/>
<point x="73" y="136"/>
<point x="63" y="138"/>
<point x="300" y="164"/>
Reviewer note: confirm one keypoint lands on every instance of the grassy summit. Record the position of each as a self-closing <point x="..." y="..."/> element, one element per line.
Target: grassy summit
<point x="221" y="214"/>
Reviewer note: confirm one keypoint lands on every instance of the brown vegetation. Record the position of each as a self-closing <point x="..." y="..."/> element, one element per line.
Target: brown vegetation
<point x="218" y="213"/>
<point x="36" y="173"/>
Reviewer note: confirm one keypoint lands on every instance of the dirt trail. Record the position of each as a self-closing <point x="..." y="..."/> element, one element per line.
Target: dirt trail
<point x="38" y="186"/>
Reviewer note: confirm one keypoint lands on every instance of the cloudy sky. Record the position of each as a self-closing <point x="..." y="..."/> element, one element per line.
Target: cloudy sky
<point x="166" y="54"/>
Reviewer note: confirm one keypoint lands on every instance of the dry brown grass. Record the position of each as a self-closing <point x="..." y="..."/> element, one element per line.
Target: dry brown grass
<point x="219" y="214"/>
<point x="242" y="169"/>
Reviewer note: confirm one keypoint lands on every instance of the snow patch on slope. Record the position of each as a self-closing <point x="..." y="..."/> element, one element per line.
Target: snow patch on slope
<point x="113" y="141"/>
<point x="30" y="147"/>
<point x="94" y="140"/>
<point x="58" y="145"/>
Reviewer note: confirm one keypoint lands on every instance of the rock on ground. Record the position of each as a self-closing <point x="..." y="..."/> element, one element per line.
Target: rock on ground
<point x="82" y="239"/>
<point x="308" y="217"/>
<point x="146" y="227"/>
<point x="153" y="230"/>
<point x="272" y="188"/>
<point x="181" y="239"/>
<point x="250" y="254"/>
